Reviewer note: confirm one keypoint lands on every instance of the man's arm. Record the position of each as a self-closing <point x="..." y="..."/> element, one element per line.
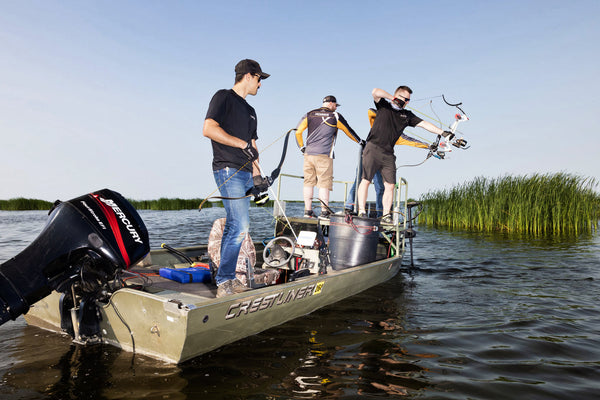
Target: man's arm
<point x="213" y="131"/>
<point x="302" y="125"/>
<point x="345" y="127"/>
<point x="430" y="127"/>
<point x="379" y="94"/>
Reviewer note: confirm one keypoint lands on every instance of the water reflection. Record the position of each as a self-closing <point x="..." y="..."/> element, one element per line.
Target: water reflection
<point x="349" y="345"/>
<point x="52" y="366"/>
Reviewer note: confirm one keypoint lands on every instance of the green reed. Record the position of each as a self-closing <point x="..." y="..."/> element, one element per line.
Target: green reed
<point x="21" y="204"/>
<point x="558" y="203"/>
<point x="164" y="204"/>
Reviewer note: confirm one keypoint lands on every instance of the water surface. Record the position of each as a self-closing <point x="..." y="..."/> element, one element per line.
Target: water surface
<point x="479" y="316"/>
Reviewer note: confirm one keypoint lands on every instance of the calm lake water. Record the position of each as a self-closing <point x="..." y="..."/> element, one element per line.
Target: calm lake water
<point x="480" y="316"/>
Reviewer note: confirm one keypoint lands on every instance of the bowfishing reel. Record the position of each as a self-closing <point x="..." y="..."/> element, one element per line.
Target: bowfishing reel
<point x="261" y="199"/>
<point x="460" y="143"/>
<point x="260" y="192"/>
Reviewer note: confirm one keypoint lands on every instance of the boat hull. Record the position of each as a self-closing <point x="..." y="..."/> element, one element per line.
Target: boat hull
<point x="177" y="326"/>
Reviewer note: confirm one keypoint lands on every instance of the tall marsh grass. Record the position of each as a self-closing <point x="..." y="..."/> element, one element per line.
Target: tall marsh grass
<point x="165" y="204"/>
<point x="558" y="203"/>
<point x="162" y="204"/>
<point x="22" y="204"/>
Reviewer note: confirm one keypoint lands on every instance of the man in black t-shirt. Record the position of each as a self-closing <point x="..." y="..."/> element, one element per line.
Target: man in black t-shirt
<point x="230" y="124"/>
<point x="391" y="120"/>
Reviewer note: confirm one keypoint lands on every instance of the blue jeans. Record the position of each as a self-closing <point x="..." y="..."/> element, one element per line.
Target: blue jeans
<point x="379" y="189"/>
<point x="237" y="223"/>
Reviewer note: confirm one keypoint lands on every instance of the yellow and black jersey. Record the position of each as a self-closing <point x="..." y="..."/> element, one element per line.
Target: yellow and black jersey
<point x="322" y="125"/>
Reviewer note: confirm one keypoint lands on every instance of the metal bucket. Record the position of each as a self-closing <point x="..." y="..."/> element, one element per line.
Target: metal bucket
<point x="352" y="240"/>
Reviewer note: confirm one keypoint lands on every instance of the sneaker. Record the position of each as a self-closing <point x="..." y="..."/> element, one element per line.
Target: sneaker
<point x="324" y="215"/>
<point x="230" y="287"/>
<point x="362" y="215"/>
<point x="387" y="219"/>
<point x="309" y="214"/>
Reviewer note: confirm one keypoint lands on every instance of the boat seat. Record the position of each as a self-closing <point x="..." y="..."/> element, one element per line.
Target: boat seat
<point x="247" y="251"/>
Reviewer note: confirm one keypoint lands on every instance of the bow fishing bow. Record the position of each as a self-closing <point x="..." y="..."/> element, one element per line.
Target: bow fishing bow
<point x="260" y="198"/>
<point x="441" y="146"/>
<point x="260" y="192"/>
<point x="459" y="143"/>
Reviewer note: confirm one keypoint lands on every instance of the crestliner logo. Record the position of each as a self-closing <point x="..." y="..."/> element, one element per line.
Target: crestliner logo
<point x="262" y="303"/>
<point x="124" y="220"/>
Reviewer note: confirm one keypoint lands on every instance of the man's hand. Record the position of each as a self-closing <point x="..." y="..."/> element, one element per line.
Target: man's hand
<point x="250" y="152"/>
<point x="448" y="135"/>
<point x="400" y="103"/>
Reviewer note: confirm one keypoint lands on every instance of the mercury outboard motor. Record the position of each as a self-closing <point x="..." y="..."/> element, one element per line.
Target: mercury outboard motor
<point x="100" y="232"/>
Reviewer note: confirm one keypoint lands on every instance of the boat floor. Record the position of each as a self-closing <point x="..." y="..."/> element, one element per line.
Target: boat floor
<point x="148" y="280"/>
<point x="156" y="284"/>
<point x="145" y="275"/>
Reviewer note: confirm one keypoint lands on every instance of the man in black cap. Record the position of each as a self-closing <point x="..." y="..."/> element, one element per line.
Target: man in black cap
<point x="230" y="124"/>
<point x="323" y="124"/>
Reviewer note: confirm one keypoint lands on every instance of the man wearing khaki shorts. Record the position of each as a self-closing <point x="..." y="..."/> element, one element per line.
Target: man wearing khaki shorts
<point x="322" y="124"/>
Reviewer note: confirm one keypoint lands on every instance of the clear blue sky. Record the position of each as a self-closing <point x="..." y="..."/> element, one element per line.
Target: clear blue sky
<point x="113" y="94"/>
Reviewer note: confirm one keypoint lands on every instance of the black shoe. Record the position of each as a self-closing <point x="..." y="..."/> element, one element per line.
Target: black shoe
<point x="324" y="215"/>
<point x="309" y="214"/>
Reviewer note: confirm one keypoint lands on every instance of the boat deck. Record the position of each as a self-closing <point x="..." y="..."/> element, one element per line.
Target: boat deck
<point x="145" y="275"/>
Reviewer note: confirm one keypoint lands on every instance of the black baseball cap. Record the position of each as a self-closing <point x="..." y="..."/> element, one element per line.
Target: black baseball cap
<point x="247" y="65"/>
<point x="332" y="99"/>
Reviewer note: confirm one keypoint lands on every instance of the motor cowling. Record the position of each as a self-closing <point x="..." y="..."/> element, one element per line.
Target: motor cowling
<point x="100" y="230"/>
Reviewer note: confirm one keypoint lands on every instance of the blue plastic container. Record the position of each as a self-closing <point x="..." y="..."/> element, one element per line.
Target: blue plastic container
<point x="186" y="275"/>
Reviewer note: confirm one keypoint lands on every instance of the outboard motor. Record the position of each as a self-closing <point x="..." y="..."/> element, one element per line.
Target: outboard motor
<point x="98" y="233"/>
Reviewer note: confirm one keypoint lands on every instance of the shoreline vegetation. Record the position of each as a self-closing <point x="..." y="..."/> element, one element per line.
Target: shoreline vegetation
<point x="560" y="203"/>
<point x="537" y="204"/>
<point x="162" y="204"/>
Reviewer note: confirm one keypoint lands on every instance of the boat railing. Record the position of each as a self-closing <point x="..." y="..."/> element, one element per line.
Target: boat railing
<point x="345" y="183"/>
<point x="401" y="214"/>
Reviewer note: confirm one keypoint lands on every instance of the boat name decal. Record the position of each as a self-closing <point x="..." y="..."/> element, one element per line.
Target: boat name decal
<point x="276" y="299"/>
<point x="124" y="220"/>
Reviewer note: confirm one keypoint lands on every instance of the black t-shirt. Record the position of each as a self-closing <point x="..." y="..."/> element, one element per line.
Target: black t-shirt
<point x="238" y="119"/>
<point x="389" y="125"/>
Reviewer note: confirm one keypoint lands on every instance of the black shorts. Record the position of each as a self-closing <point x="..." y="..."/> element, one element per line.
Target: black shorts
<point x="375" y="159"/>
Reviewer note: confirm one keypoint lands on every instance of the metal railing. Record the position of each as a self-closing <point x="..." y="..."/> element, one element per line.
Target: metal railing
<point x="399" y="203"/>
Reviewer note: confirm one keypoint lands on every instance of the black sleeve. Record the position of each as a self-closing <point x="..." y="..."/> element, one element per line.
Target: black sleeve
<point x="216" y="107"/>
